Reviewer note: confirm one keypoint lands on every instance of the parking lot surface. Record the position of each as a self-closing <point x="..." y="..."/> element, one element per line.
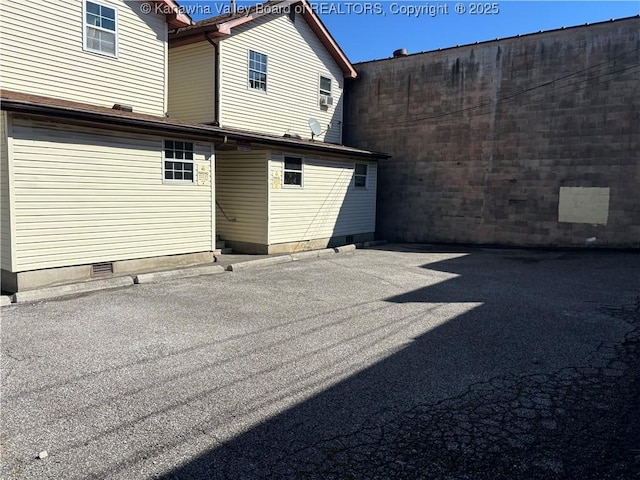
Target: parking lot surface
<point x="405" y="361"/>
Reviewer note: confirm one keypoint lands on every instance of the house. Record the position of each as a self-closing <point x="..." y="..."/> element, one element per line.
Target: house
<point x="274" y="69"/>
<point x="96" y="179"/>
<point x="87" y="187"/>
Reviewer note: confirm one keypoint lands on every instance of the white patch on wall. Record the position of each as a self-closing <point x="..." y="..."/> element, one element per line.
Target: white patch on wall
<point x="584" y="205"/>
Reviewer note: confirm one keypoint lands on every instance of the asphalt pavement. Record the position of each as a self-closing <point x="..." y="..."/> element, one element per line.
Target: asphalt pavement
<point x="404" y="361"/>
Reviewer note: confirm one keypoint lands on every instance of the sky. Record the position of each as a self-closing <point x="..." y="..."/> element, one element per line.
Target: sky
<point x="373" y="30"/>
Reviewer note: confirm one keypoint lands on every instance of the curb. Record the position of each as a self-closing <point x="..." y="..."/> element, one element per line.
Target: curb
<point x="345" y="248"/>
<point x="64" y="290"/>
<point x="374" y="243"/>
<point x="126" y="281"/>
<point x="181" y="273"/>
<point x="313" y="254"/>
<point x="261" y="262"/>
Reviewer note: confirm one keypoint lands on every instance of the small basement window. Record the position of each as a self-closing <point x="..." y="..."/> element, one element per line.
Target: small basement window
<point x="100" y="28"/>
<point x="360" y="175"/>
<point x="293" y="171"/>
<point x="178" y="161"/>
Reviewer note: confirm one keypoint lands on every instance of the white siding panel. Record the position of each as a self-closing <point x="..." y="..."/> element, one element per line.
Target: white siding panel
<point x="296" y="59"/>
<point x="86" y="196"/>
<point x="49" y="60"/>
<point x="5" y="206"/>
<point x="241" y="189"/>
<point x="192" y="82"/>
<point x="327" y="205"/>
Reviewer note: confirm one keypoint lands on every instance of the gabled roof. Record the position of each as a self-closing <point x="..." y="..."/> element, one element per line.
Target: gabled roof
<point x="221" y="25"/>
<point x="176" y="17"/>
<point x="107" y="118"/>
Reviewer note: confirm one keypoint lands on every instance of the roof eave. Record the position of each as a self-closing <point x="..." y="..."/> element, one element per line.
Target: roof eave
<point x="124" y="122"/>
<point x="174" y="13"/>
<point x="115" y="120"/>
<point x="222" y="29"/>
<point x="327" y="40"/>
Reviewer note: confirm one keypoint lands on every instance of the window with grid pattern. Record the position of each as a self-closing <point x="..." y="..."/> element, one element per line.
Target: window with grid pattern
<point x="257" y="71"/>
<point x="178" y="161"/>
<point x="100" y="31"/>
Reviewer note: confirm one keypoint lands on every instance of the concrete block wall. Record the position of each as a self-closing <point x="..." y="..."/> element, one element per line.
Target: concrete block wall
<point x="483" y="137"/>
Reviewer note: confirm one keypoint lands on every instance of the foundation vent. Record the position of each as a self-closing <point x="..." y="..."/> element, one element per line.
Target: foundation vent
<point x="105" y="268"/>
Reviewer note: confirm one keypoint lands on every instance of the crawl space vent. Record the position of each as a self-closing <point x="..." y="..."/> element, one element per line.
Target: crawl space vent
<point x="104" y="268"/>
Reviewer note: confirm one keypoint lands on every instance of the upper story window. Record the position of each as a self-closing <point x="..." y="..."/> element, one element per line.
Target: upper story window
<point x="325" y="91"/>
<point x="257" y="71"/>
<point x="293" y="171"/>
<point x="178" y="161"/>
<point x="360" y="175"/>
<point x="100" y="28"/>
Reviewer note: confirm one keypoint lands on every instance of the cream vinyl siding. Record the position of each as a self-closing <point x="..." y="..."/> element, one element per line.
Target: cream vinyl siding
<point x="192" y="82"/>
<point x="327" y="205"/>
<point x="296" y="59"/>
<point x="5" y="205"/>
<point x="85" y="196"/>
<point x="41" y="44"/>
<point x="241" y="189"/>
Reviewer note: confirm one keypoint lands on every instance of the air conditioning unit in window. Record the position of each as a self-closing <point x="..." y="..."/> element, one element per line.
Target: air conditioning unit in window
<point x="326" y="100"/>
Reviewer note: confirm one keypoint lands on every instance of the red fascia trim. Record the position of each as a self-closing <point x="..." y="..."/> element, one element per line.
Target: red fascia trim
<point x="254" y="15"/>
<point x="177" y="18"/>
<point x="328" y="41"/>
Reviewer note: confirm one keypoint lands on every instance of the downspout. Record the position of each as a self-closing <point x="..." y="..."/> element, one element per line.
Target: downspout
<point x="216" y="80"/>
<point x="216" y="146"/>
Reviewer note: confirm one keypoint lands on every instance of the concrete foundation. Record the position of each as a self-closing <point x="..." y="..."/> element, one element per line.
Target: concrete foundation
<point x="20" y="281"/>
<point x="300" y="246"/>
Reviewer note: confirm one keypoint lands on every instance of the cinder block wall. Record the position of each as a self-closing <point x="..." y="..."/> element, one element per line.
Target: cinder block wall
<point x="532" y="140"/>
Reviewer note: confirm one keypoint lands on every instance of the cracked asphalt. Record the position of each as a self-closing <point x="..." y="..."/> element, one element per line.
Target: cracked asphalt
<point x="406" y="361"/>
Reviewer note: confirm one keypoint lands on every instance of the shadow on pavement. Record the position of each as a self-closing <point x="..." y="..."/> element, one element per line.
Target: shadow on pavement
<point x="495" y="392"/>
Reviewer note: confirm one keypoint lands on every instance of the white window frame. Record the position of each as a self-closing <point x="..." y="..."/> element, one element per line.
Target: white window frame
<point x="178" y="160"/>
<point x="285" y="170"/>
<point x="359" y="175"/>
<point x="85" y="25"/>
<point x="322" y="92"/>
<point x="266" y="72"/>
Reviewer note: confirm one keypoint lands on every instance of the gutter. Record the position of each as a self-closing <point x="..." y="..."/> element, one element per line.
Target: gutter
<point x="18" y="106"/>
<point x="210" y="133"/>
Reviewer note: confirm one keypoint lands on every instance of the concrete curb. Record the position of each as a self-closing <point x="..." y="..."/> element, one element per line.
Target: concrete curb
<point x="261" y="262"/>
<point x="181" y="273"/>
<point x="117" y="282"/>
<point x="313" y="254"/>
<point x="374" y="243"/>
<point x="345" y="248"/>
<point x="63" y="290"/>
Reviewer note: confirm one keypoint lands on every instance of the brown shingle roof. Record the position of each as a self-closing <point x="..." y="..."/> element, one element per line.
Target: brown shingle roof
<point x="226" y="17"/>
<point x="117" y="119"/>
